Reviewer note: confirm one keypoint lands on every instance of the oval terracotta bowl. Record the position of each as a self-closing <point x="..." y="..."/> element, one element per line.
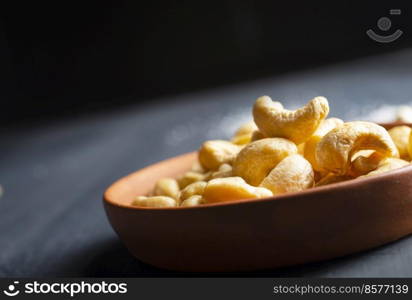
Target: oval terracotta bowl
<point x="312" y="225"/>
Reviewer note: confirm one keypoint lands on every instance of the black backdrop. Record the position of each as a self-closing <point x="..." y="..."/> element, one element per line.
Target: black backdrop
<point x="60" y="57"/>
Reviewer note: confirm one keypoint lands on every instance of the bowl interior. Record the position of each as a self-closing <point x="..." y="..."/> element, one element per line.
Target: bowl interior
<point x="142" y="182"/>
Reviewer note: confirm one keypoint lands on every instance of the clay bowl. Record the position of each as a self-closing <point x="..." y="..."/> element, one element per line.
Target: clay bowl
<point x="312" y="225"/>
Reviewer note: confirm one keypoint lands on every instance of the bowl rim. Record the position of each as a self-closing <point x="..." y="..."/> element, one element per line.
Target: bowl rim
<point x="351" y="183"/>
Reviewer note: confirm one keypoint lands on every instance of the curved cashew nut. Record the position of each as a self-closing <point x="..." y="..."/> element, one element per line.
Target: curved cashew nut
<point x="388" y="164"/>
<point x="225" y="170"/>
<point x="310" y="145"/>
<point x="232" y="189"/>
<point x="190" y="177"/>
<point x="400" y="136"/>
<point x="244" y="134"/>
<point x="335" y="149"/>
<point x="257" y="159"/>
<point x="297" y="126"/>
<point x="216" y="152"/>
<point x="194" y="200"/>
<point x="257" y="135"/>
<point x="292" y="174"/>
<point x="196" y="188"/>
<point x="365" y="163"/>
<point x="167" y="187"/>
<point x="156" y="201"/>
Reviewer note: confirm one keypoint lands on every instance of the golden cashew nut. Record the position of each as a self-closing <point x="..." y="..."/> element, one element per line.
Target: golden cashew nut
<point x="257" y="159"/>
<point x="388" y="164"/>
<point x="225" y="170"/>
<point x="400" y="136"/>
<point x="196" y="188"/>
<point x="194" y="200"/>
<point x="297" y="126"/>
<point x="309" y="151"/>
<point x="257" y="135"/>
<point x="190" y="177"/>
<point x="232" y="189"/>
<point x="292" y="174"/>
<point x="335" y="149"/>
<point x="216" y="152"/>
<point x="167" y="187"/>
<point x="244" y="134"/>
<point x="155" y="201"/>
<point x="363" y="164"/>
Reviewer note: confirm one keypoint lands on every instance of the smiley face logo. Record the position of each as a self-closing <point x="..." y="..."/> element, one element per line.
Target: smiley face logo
<point x="384" y="24"/>
<point x="11" y="290"/>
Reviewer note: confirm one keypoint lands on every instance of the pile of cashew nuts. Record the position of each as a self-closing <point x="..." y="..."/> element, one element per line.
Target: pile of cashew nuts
<point x="284" y="151"/>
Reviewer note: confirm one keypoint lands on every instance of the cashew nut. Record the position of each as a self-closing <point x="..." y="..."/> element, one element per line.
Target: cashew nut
<point x="225" y="170"/>
<point x="167" y="187"/>
<point x="194" y="200"/>
<point x="232" y="189"/>
<point x="297" y="126"/>
<point x="365" y="163"/>
<point x="257" y="135"/>
<point x="335" y="149"/>
<point x="257" y="159"/>
<point x="388" y="164"/>
<point x="400" y="136"/>
<point x="196" y="188"/>
<point x="310" y="145"/>
<point x="244" y="133"/>
<point x="294" y="173"/>
<point x="214" y="153"/>
<point x="156" y="201"/>
<point x="190" y="177"/>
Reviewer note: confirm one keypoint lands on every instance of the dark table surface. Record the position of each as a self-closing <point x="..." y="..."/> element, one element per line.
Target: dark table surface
<point x="53" y="175"/>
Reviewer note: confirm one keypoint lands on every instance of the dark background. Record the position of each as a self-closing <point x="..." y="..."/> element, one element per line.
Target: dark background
<point x="59" y="58"/>
<point x="91" y="91"/>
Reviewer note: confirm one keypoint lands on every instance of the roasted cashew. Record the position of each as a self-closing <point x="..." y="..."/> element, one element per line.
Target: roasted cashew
<point x="400" y="136"/>
<point x="297" y="126"/>
<point x="232" y="189"/>
<point x="194" y="200"/>
<point x="335" y="149"/>
<point x="257" y="135"/>
<point x="365" y="163"/>
<point x="214" y="153"/>
<point x="190" y="177"/>
<point x="310" y="145"/>
<point x="388" y="164"/>
<point x="167" y="187"/>
<point x="155" y="201"/>
<point x="294" y="173"/>
<point x="195" y="188"/>
<point x="225" y="170"/>
<point x="257" y="159"/>
<point x="244" y="134"/>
